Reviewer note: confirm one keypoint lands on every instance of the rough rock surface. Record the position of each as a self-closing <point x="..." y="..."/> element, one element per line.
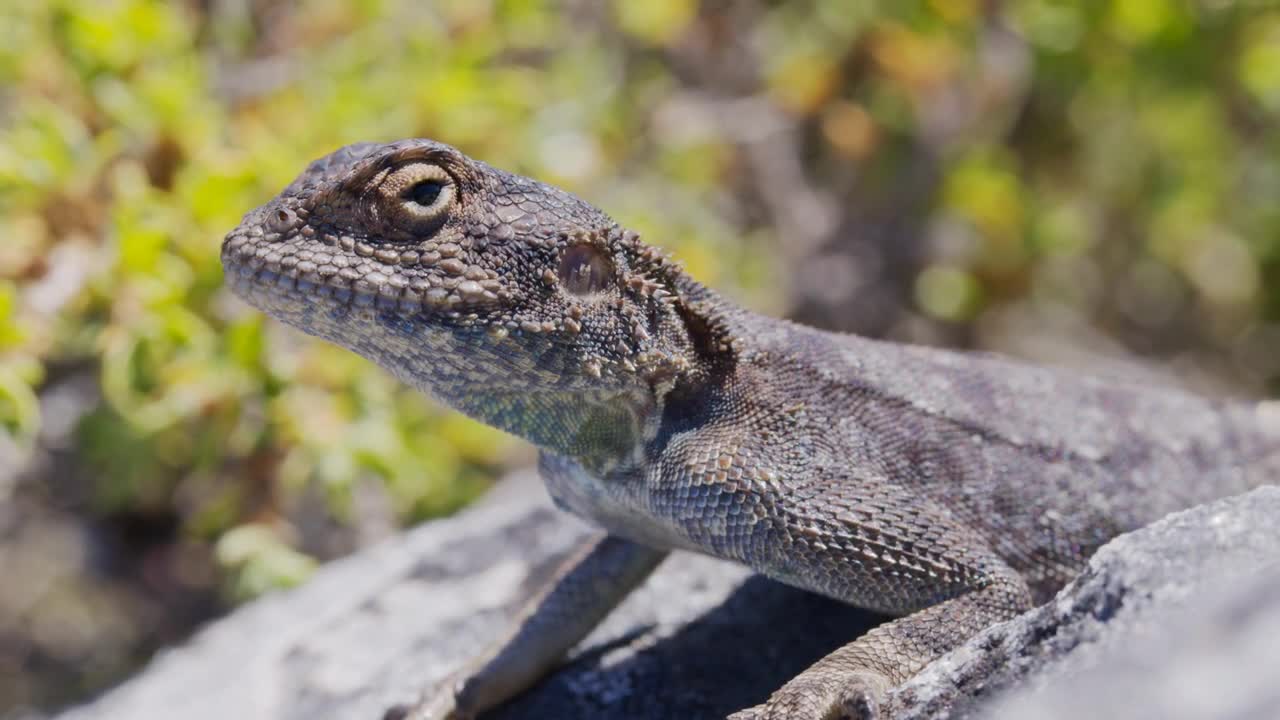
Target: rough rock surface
<point x="1179" y="620"/>
<point x="700" y="639"/>
<point x="1164" y="617"/>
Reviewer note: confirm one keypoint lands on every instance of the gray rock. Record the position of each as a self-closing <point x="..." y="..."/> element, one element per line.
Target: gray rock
<point x="702" y="638"/>
<point x="1179" y="620"/>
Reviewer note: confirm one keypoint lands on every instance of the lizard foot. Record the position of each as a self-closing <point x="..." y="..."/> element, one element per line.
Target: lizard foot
<point x="854" y="696"/>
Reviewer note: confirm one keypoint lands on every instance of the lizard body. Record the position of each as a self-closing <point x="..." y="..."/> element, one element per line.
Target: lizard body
<point x="952" y="490"/>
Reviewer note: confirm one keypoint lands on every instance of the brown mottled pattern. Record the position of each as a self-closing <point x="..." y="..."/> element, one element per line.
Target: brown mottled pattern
<point x="954" y="490"/>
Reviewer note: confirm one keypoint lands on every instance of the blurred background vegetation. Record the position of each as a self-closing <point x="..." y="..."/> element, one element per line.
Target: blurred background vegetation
<point x="1086" y="183"/>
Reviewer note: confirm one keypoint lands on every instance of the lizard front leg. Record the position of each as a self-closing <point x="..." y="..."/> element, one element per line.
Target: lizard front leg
<point x="846" y="531"/>
<point x="602" y="571"/>
<point x="852" y="682"/>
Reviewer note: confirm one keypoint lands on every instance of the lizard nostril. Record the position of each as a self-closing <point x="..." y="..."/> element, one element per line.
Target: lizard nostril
<point x="282" y="220"/>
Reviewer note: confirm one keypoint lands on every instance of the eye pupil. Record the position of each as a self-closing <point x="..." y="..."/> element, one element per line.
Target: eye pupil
<point x="426" y="192"/>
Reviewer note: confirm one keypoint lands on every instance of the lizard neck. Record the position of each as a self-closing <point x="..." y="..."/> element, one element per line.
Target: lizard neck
<point x="605" y="424"/>
<point x="601" y="430"/>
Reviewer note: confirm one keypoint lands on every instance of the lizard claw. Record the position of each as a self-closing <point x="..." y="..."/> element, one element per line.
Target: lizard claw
<point x="857" y="696"/>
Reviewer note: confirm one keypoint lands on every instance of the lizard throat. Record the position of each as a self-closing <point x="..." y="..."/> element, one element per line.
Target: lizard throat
<point x="523" y="385"/>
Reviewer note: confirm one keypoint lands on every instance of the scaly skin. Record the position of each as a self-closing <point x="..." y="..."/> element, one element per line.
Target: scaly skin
<point x="952" y="490"/>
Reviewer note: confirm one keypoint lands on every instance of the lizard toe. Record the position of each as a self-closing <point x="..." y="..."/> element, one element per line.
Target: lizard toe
<point x="857" y="696"/>
<point x="857" y="703"/>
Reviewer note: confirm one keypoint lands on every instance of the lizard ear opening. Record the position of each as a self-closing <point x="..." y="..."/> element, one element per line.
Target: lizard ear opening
<point x="585" y="270"/>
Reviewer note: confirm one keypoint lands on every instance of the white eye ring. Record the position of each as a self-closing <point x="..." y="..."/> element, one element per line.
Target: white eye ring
<point x="423" y="192"/>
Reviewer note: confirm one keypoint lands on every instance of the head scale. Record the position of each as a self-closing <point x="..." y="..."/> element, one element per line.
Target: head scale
<point x="503" y="296"/>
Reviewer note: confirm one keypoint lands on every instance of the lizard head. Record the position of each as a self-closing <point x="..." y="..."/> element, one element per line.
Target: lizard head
<point x="484" y="288"/>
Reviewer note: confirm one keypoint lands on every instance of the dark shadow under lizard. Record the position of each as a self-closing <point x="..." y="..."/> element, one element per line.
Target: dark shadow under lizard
<point x="733" y="656"/>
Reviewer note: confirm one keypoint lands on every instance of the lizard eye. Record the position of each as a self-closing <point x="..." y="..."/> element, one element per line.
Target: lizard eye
<point x="426" y="193"/>
<point x="419" y="195"/>
<point x="584" y="270"/>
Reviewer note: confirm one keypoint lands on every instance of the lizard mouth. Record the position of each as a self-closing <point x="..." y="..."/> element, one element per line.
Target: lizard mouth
<point x="314" y="308"/>
<point x="265" y="267"/>
<point x="267" y="285"/>
<point x="386" y="330"/>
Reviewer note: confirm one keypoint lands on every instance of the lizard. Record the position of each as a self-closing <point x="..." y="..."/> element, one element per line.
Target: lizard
<point x="948" y="490"/>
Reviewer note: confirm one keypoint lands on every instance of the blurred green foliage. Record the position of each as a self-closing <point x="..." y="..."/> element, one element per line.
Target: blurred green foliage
<point x="135" y="133"/>
<point x="1139" y="154"/>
